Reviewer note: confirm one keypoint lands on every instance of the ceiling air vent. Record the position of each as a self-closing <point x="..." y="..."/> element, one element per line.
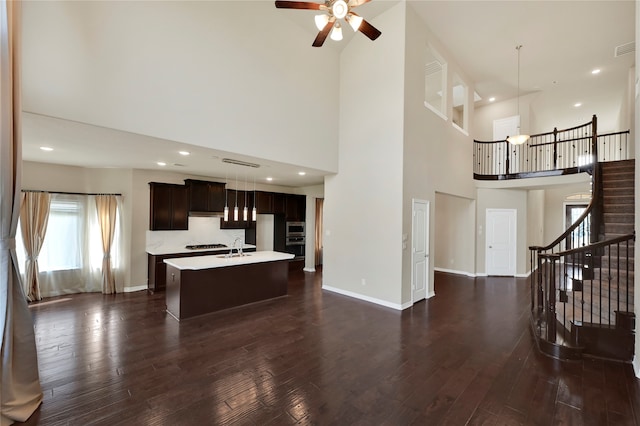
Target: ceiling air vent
<point x="623" y="49"/>
<point x="240" y="163"/>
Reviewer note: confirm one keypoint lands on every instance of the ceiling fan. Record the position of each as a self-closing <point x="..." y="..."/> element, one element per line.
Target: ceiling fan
<point x="330" y="22"/>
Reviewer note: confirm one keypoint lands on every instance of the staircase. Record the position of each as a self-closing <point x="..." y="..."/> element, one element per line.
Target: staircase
<point x="594" y="285"/>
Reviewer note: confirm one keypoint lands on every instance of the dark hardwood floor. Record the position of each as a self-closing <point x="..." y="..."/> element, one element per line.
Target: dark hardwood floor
<point x="464" y="357"/>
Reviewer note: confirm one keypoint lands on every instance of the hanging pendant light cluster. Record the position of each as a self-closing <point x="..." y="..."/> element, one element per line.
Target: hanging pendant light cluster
<point x="518" y="139"/>
<point x="236" y="209"/>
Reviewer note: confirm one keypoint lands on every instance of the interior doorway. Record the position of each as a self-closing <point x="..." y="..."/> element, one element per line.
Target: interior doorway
<point x="501" y="242"/>
<point x="419" y="250"/>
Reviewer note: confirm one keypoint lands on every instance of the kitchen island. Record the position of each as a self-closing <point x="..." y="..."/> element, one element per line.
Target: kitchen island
<point x="204" y="284"/>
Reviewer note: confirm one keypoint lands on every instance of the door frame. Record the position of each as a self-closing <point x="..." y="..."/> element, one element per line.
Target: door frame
<point x="427" y="208"/>
<point x="514" y="242"/>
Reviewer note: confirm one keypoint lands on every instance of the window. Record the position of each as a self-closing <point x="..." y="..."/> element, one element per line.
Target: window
<point x="70" y="260"/>
<point x="435" y="82"/>
<point x="459" y="97"/>
<point x="65" y="225"/>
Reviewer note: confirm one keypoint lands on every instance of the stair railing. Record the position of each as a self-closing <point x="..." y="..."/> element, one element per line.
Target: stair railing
<point x="594" y="285"/>
<point x="553" y="153"/>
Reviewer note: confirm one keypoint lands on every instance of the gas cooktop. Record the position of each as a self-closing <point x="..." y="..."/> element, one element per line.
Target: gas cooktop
<point x="205" y="246"/>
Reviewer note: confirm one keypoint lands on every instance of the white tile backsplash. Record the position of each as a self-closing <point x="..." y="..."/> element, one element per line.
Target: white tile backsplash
<point x="202" y="230"/>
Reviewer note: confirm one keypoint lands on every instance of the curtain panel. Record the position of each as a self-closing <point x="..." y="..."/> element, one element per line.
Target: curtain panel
<point x="107" y="206"/>
<point x="20" y="392"/>
<point x="34" y="216"/>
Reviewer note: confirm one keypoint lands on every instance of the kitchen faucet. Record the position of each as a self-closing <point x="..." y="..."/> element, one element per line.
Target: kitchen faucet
<point x="234" y="246"/>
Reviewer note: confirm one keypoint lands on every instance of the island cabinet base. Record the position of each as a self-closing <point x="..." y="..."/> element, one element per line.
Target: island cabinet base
<point x="196" y="292"/>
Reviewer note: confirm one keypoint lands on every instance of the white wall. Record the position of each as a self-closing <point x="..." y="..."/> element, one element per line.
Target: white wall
<point x="454" y="234"/>
<point x="363" y="201"/>
<point x="502" y="199"/>
<point x="437" y="156"/>
<point x="187" y="72"/>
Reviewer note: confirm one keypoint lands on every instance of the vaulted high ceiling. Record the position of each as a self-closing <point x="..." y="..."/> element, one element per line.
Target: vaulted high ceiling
<point x="563" y="41"/>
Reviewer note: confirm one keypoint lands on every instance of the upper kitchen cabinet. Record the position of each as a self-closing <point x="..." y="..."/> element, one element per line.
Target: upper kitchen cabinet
<point x="169" y="207"/>
<point x="264" y="202"/>
<point x="296" y="207"/>
<point x="205" y="196"/>
<point x="279" y="203"/>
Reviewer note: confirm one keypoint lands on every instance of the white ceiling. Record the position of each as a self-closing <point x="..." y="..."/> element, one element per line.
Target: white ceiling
<point x="563" y="41"/>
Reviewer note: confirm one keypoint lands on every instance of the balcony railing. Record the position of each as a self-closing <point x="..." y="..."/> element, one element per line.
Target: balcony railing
<point x="558" y="152"/>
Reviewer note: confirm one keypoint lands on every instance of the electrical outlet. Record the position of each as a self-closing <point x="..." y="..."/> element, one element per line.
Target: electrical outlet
<point x="364" y="282"/>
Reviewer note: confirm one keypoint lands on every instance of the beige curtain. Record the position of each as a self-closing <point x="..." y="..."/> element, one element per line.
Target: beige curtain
<point x="21" y="393"/>
<point x="318" y="251"/>
<point x="34" y="215"/>
<point x="107" y="206"/>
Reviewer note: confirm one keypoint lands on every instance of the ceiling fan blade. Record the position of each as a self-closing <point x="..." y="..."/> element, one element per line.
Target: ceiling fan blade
<point x="284" y="4"/>
<point x="322" y="35"/>
<point x="369" y="30"/>
<point x="356" y="3"/>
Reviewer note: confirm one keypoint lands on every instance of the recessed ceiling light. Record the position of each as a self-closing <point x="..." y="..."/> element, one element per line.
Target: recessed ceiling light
<point x="595" y="71"/>
<point x="185" y="153"/>
<point x="161" y="163"/>
<point x="46" y="148"/>
<point x="492" y="99"/>
<point x="269" y="178"/>
<point x="577" y="104"/>
<point x="302" y="173"/>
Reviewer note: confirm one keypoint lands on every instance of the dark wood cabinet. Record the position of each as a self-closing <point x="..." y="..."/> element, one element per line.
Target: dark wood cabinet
<point x="264" y="202"/>
<point x="295" y="207"/>
<point x="279" y="203"/>
<point x="169" y="207"/>
<point x="205" y="196"/>
<point x="157" y="269"/>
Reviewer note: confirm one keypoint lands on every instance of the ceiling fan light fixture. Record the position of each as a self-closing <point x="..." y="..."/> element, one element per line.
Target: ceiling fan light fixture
<point x="355" y="21"/>
<point x="336" y="33"/>
<point x="340" y="9"/>
<point x="321" y="21"/>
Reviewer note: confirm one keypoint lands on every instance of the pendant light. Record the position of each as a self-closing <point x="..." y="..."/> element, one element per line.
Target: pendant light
<point x="226" y="192"/>
<point x="518" y="139"/>
<point x="245" y="210"/>
<point x="254" y="212"/>
<point x="235" y="209"/>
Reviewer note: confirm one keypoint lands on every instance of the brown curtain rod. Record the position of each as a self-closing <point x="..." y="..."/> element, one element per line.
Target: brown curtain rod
<point x="71" y="193"/>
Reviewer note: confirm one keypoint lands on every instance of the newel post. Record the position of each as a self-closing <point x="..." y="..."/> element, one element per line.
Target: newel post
<point x="551" y="300"/>
<point x="506" y="162"/>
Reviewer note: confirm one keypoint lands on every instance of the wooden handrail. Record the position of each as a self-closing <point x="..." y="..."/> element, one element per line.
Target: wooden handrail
<point x="590" y="247"/>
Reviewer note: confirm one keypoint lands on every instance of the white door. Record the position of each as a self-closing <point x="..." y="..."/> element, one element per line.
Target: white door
<point x="501" y="242"/>
<point x="420" y="250"/>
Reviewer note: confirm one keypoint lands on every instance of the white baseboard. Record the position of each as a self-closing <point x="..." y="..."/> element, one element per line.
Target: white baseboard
<point x="431" y="294"/>
<point x="135" y="288"/>
<point x="309" y="269"/>
<point x="453" y="271"/>
<point x="365" y="298"/>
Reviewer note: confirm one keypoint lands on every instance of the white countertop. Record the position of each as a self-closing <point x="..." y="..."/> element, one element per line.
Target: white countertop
<point x="219" y="261"/>
<point x="162" y="250"/>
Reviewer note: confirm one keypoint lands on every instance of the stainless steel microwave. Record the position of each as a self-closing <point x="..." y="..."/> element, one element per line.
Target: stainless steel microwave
<point x="295" y="229"/>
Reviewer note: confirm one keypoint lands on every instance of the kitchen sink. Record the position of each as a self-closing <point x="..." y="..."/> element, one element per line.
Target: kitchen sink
<point x="226" y="256"/>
